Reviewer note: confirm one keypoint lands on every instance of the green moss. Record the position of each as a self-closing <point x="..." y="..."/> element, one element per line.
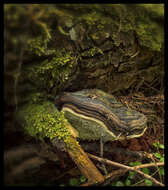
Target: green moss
<point x="38" y="46"/>
<point x="145" y="19"/>
<point x="54" y="71"/>
<point x="36" y="97"/>
<point x="91" y="52"/>
<point x="44" y="120"/>
<point x="62" y="31"/>
<point x="91" y="18"/>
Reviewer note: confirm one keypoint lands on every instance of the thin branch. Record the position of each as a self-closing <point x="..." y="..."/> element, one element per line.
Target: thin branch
<point x="129" y="168"/>
<point x="149" y="165"/>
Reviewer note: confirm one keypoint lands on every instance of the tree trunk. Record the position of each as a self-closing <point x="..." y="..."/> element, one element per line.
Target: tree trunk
<point x="53" y="48"/>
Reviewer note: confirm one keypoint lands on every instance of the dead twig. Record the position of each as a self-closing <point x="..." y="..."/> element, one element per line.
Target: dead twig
<point x="151" y="87"/>
<point x="135" y="168"/>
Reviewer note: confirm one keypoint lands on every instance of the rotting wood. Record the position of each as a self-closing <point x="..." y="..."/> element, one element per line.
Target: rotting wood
<point x="82" y="161"/>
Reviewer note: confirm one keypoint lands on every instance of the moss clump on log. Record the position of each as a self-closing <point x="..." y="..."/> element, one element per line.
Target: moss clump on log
<point x="44" y="120"/>
<point x="53" y="71"/>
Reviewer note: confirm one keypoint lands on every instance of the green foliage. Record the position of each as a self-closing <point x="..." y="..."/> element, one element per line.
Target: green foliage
<point x="131" y="177"/>
<point x="162" y="171"/>
<point x="119" y="184"/>
<point x="145" y="170"/>
<point x="131" y="174"/>
<point x="134" y="163"/>
<point x="127" y="182"/>
<point x="158" y="145"/>
<point x="157" y="154"/>
<point x="76" y="181"/>
<point x="148" y="182"/>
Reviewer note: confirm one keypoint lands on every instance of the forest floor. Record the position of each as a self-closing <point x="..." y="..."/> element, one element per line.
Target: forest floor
<point x="49" y="171"/>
